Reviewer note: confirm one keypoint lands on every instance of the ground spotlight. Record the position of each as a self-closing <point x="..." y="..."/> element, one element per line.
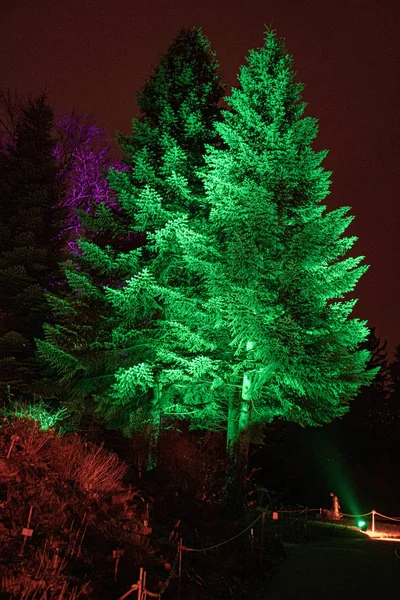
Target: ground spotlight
<point x="363" y="525"/>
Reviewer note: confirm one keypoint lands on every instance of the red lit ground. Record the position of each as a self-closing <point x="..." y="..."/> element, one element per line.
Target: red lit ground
<point x="385" y="531"/>
<point x="340" y="565"/>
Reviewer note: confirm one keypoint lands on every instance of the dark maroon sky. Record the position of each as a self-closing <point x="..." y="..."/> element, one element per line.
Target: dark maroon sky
<point x="95" y="54"/>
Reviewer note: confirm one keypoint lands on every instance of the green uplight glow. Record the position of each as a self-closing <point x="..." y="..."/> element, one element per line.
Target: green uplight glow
<point x="362" y="525"/>
<point x="338" y="475"/>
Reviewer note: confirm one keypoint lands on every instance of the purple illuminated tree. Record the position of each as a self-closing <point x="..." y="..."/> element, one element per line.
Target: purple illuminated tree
<point x="84" y="155"/>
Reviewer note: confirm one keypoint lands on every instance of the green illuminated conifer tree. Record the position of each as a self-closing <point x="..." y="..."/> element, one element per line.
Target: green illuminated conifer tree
<point x="180" y="106"/>
<point x="178" y="109"/>
<point x="29" y="246"/>
<point x="284" y="344"/>
<point x="283" y="276"/>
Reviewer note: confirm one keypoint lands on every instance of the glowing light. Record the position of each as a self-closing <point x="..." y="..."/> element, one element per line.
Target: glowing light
<point x="362" y="525"/>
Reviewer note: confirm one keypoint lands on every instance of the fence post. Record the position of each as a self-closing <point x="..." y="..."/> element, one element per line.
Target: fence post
<point x="262" y="536"/>
<point x="144" y="594"/>
<point x="373" y="521"/>
<point x="179" y="568"/>
<point x="26" y="531"/>
<point x="140" y="582"/>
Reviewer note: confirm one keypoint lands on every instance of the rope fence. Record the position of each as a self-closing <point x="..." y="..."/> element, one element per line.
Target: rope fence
<point x="176" y="568"/>
<point x="385" y="517"/>
<point x="374" y="514"/>
<point x="357" y="516"/>
<point x="222" y="543"/>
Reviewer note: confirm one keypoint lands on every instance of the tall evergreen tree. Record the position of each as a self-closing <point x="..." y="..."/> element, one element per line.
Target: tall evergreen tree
<point x="275" y="291"/>
<point x="178" y="108"/>
<point x="282" y="267"/>
<point x="29" y="248"/>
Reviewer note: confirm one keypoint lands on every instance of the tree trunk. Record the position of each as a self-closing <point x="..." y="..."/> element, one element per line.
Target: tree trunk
<point x="238" y="440"/>
<point x="232" y="433"/>
<point x="155" y="428"/>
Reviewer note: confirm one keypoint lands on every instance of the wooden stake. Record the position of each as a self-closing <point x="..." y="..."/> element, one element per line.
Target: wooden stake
<point x="26" y="532"/>
<point x="116" y="569"/>
<point x="13" y="438"/>
<point x="117" y="554"/>
<point x="262" y="536"/>
<point x="140" y="584"/>
<point x="144" y="595"/>
<point x="179" y="568"/>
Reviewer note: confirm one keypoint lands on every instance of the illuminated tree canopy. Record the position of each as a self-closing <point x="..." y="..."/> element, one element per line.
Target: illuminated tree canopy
<point x="227" y="306"/>
<point x="271" y="303"/>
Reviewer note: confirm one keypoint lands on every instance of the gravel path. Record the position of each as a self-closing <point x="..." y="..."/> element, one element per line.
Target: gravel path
<point x="346" y="565"/>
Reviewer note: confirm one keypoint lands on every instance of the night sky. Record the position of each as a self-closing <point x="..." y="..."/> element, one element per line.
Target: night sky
<point x="95" y="54"/>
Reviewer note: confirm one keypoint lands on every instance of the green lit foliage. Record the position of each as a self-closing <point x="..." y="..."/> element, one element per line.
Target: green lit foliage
<point x="29" y="247"/>
<point x="272" y="268"/>
<point x="39" y="412"/>
<point x="179" y="105"/>
<point x="77" y="346"/>
<point x="284" y="276"/>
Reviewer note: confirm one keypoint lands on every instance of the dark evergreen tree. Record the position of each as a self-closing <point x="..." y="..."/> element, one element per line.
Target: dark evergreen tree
<point x="11" y="111"/>
<point x="373" y="407"/>
<point x="394" y="368"/>
<point x="29" y="247"/>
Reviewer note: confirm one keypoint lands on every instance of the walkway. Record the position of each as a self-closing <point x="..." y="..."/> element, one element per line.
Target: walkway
<point x="344" y="566"/>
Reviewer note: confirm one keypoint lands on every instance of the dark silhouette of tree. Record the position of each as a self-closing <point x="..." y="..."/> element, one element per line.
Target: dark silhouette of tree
<point x="394" y="399"/>
<point x="373" y="405"/>
<point x="11" y="114"/>
<point x="395" y="373"/>
<point x="29" y="248"/>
